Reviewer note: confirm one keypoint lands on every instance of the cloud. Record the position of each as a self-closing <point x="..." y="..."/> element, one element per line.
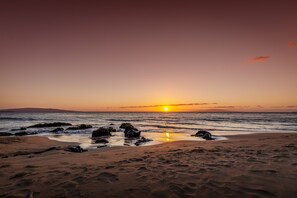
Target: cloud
<point x="260" y="59"/>
<point x="224" y="107"/>
<point x="283" y="107"/>
<point x="292" y="44"/>
<point x="169" y="105"/>
<point x="256" y="59"/>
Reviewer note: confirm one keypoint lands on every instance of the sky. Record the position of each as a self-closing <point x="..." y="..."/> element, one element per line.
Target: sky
<point x="148" y="55"/>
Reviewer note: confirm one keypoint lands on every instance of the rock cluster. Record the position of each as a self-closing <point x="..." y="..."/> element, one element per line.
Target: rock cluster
<point x="25" y="133"/>
<point x="80" y="127"/>
<point x="103" y="131"/>
<point x="75" y="149"/>
<point x="204" y="134"/>
<point x="5" y="134"/>
<point x="130" y="130"/>
<point x="142" y="140"/>
<point x="53" y="124"/>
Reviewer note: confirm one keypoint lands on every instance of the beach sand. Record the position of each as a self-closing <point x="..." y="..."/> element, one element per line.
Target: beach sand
<point x="256" y="165"/>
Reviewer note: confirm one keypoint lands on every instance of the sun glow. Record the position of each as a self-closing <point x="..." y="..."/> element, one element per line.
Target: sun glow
<point x="166" y="109"/>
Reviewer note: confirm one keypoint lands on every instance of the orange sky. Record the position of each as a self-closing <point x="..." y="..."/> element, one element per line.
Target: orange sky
<point x="95" y="56"/>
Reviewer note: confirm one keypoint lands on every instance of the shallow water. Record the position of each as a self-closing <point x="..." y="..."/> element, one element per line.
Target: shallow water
<point x="161" y="127"/>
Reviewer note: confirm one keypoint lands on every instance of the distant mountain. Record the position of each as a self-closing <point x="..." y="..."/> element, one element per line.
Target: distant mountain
<point x="35" y="110"/>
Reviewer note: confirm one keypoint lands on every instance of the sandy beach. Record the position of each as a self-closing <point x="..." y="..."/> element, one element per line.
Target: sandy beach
<point x="256" y="165"/>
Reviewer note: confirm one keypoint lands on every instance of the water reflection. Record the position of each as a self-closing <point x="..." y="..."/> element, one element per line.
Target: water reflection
<point x="167" y="136"/>
<point x="118" y="139"/>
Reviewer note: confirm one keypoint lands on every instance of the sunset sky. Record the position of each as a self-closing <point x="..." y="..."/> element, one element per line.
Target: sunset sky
<point x="145" y="55"/>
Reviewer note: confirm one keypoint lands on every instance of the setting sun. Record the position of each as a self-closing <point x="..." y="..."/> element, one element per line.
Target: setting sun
<point x="166" y="109"/>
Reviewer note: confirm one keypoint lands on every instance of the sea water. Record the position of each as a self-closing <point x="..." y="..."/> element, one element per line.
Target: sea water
<point x="160" y="127"/>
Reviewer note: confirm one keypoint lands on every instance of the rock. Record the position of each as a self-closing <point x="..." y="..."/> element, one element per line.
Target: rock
<point x="80" y="127"/>
<point x="57" y="130"/>
<point x="21" y="134"/>
<point x="112" y="129"/>
<point x="25" y="133"/>
<point x="20" y="129"/>
<point x="142" y="140"/>
<point x="54" y="124"/>
<point x="101" y="146"/>
<point x="102" y="131"/>
<point x="126" y="126"/>
<point x="75" y="149"/>
<point x="130" y="130"/>
<point x="204" y="134"/>
<point x="5" y="134"/>
<point x="101" y="141"/>
<point x="132" y="133"/>
<point x="111" y="124"/>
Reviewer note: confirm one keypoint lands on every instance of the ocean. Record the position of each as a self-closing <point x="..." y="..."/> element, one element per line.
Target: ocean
<point x="160" y="127"/>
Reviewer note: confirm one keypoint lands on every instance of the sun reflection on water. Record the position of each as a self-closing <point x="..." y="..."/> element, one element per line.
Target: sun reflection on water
<point x="167" y="136"/>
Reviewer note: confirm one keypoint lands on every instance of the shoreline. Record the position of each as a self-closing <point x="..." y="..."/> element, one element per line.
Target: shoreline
<point x="259" y="165"/>
<point x="218" y="137"/>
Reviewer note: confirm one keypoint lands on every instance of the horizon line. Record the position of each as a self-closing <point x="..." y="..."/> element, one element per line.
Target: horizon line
<point x="53" y="110"/>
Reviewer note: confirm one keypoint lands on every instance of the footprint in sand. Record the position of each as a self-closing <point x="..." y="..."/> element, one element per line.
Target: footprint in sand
<point x="19" y="175"/>
<point x="24" y="182"/>
<point x="160" y="193"/>
<point x="30" y="166"/>
<point x="179" y="190"/>
<point x="136" y="160"/>
<point x="107" y="177"/>
<point x="197" y="150"/>
<point x="5" y="166"/>
<point x="142" y="168"/>
<point x="109" y="167"/>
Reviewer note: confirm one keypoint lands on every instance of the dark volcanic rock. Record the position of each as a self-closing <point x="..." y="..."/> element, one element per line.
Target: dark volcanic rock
<point x="132" y="133"/>
<point x="80" y="127"/>
<point x="101" y="146"/>
<point x="130" y="130"/>
<point x="142" y="140"/>
<point x="126" y="126"/>
<point x="25" y="133"/>
<point x="204" y="134"/>
<point x="21" y="134"/>
<point x="54" y="124"/>
<point x="102" y="131"/>
<point x="102" y="141"/>
<point x="5" y="134"/>
<point x="75" y="149"/>
<point x="112" y="129"/>
<point x="57" y="130"/>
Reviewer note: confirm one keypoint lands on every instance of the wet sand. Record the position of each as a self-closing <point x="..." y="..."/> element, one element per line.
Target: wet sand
<point x="256" y="165"/>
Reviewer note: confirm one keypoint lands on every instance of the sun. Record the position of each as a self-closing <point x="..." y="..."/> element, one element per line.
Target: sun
<point x="166" y="109"/>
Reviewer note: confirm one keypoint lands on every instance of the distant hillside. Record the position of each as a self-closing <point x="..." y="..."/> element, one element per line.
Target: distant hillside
<point x="35" y="110"/>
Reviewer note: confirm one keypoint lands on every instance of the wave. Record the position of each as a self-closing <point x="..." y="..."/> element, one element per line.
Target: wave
<point x="15" y="118"/>
<point x="168" y="127"/>
<point x="125" y="120"/>
<point x="152" y="122"/>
